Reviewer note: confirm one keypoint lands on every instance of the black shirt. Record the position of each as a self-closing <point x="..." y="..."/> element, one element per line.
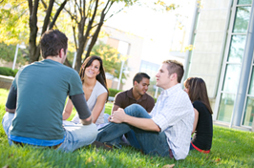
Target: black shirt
<point x="204" y="131"/>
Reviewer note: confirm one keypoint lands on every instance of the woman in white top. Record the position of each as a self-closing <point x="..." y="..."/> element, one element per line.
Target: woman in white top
<point x="95" y="89"/>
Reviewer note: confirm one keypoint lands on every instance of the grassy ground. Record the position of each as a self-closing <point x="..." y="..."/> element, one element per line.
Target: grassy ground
<point x="231" y="148"/>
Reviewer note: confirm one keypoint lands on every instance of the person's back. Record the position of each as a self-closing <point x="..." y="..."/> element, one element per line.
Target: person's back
<point x="204" y="132"/>
<point x="42" y="91"/>
<point x="203" y="123"/>
<point x="36" y="100"/>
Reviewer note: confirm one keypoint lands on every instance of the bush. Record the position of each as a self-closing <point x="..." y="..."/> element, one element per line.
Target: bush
<point x="155" y="100"/>
<point x="113" y="92"/>
<point x="8" y="71"/>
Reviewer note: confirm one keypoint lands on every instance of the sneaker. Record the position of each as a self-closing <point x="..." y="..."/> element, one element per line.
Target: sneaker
<point x="105" y="146"/>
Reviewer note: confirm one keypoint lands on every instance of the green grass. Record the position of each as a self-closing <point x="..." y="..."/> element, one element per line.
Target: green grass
<point x="231" y="148"/>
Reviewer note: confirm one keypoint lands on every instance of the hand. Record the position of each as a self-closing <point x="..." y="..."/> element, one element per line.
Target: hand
<point x="118" y="116"/>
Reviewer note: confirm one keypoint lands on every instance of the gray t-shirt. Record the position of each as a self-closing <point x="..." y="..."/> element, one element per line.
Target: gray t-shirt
<point x="97" y="91"/>
<point x="42" y="88"/>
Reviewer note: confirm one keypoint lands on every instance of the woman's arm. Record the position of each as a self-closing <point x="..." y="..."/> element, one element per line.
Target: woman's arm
<point x="195" y="120"/>
<point x="99" y="106"/>
<point x="67" y="110"/>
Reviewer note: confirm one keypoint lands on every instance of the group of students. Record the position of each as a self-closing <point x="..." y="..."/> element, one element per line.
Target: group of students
<point x="35" y="107"/>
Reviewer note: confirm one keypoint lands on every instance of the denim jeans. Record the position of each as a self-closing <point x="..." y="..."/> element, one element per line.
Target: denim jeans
<point x="76" y="135"/>
<point x="153" y="143"/>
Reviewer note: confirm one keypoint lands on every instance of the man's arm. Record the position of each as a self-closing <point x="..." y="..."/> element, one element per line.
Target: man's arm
<point x="115" y="107"/>
<point x="80" y="104"/>
<point x="120" y="116"/>
<point x="11" y="100"/>
<point x="117" y="102"/>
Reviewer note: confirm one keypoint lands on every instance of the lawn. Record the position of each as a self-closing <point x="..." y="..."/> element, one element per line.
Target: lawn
<point x="231" y="148"/>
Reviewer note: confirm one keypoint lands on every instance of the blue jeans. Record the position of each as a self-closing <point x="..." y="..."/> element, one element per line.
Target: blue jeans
<point x="76" y="135"/>
<point x="153" y="143"/>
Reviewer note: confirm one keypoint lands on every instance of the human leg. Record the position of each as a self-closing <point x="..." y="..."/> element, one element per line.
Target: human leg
<point x="137" y="111"/>
<point x="153" y="143"/>
<point x="191" y="147"/>
<point x="113" y="131"/>
<point x="6" y="122"/>
<point x="77" y="136"/>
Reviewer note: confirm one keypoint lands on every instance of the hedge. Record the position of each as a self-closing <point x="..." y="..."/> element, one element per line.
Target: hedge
<point x="8" y="71"/>
<point x="113" y="92"/>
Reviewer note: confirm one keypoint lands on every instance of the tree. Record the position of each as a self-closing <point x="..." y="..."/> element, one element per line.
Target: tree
<point x="86" y="20"/>
<point x="15" y="13"/>
<point x="48" y="23"/>
<point x="89" y="17"/>
<point x="110" y="57"/>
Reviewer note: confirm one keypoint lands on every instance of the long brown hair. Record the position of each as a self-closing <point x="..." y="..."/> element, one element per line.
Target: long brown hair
<point x="198" y="91"/>
<point x="100" y="77"/>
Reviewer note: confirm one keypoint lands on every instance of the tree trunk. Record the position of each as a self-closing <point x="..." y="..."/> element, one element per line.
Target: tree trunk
<point x="33" y="29"/>
<point x="84" y="38"/>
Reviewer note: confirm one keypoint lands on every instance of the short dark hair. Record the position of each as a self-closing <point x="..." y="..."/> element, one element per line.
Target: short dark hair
<point x="139" y="76"/>
<point x="52" y="42"/>
<point x="175" y="67"/>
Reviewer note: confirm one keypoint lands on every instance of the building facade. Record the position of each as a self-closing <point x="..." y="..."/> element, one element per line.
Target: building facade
<point x="223" y="40"/>
<point x="130" y="46"/>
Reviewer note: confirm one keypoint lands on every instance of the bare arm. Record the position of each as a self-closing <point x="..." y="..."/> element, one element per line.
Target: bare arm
<point x="67" y="110"/>
<point x="99" y="106"/>
<point x="195" y="120"/>
<point x="120" y="116"/>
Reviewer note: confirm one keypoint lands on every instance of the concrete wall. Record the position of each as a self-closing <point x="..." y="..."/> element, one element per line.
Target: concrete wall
<point x="134" y="53"/>
<point x="6" y="81"/>
<point x="209" y="40"/>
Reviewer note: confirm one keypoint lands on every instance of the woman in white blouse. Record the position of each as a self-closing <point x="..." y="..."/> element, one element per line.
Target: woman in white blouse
<point x="95" y="89"/>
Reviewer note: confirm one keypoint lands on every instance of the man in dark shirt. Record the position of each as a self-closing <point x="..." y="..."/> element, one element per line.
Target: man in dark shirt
<point x="137" y="94"/>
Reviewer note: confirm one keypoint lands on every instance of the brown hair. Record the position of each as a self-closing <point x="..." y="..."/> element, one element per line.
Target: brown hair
<point x="52" y="42"/>
<point x="175" y="67"/>
<point x="100" y="77"/>
<point x="198" y="91"/>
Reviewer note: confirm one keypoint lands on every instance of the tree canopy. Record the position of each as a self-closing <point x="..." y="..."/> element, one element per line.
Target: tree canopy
<point x="27" y="20"/>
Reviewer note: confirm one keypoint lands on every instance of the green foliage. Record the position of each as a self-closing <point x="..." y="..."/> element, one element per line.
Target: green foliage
<point x="231" y="148"/>
<point x="8" y="71"/>
<point x="7" y="53"/>
<point x="13" y="13"/>
<point x="108" y="108"/>
<point x="111" y="58"/>
<point x="113" y="92"/>
<point x="155" y="100"/>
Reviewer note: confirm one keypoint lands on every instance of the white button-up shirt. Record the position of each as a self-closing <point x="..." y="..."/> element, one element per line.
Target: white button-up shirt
<point x="174" y="114"/>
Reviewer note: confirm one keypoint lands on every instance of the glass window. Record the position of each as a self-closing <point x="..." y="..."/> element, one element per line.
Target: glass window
<point x="226" y="107"/>
<point x="249" y="112"/>
<point x="231" y="78"/>
<point x="244" y="1"/>
<point x="242" y="19"/>
<point x="237" y="48"/>
<point x="251" y="89"/>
